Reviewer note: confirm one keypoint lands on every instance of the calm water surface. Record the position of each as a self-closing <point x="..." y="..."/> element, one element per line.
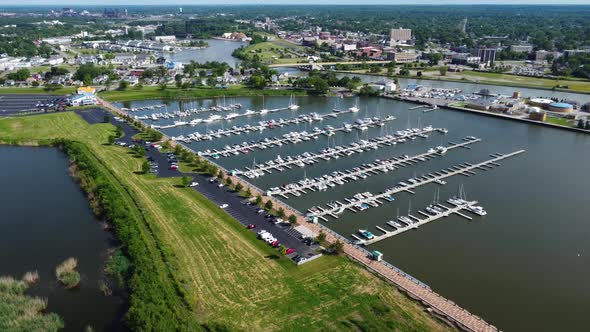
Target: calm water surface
<point x="524" y="266"/>
<point x="218" y="50"/>
<point x="46" y="219"/>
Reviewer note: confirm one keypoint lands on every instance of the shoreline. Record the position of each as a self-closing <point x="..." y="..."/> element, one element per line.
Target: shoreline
<point x="433" y="302"/>
<point x="497" y="115"/>
<point x="513" y="85"/>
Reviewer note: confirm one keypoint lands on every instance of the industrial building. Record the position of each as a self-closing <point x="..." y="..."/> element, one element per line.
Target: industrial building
<point x="487" y="55"/>
<point x="560" y="107"/>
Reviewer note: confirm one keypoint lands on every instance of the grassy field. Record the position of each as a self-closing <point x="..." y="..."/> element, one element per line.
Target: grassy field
<point x="152" y="92"/>
<point x="559" y="121"/>
<point x="10" y="90"/>
<point x="275" y="51"/>
<point x="228" y="277"/>
<point x="513" y="80"/>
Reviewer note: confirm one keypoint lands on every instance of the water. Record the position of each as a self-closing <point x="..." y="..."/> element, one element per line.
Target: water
<point x="218" y="50"/>
<point x="46" y="219"/>
<point x="524" y="266"/>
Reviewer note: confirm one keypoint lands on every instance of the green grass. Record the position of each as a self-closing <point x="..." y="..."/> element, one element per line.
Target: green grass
<point x="227" y="276"/>
<point x="558" y="121"/>
<point x="523" y="81"/>
<point x="152" y="92"/>
<point x="14" y="90"/>
<point x="272" y="51"/>
<point x="19" y="312"/>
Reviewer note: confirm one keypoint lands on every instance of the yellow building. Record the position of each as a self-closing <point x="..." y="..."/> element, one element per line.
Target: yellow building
<point x="86" y="89"/>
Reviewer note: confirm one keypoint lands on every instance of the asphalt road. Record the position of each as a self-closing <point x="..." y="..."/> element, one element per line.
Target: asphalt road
<point x="245" y="214"/>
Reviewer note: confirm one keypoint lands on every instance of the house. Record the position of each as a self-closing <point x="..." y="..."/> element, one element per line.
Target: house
<point x="55" y="60"/>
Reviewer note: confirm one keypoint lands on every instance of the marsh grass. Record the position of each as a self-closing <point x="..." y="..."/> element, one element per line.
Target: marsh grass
<point x="66" y="273"/>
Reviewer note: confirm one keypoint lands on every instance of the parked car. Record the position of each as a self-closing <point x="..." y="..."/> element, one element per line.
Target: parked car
<point x="173" y="167"/>
<point x="289" y="251"/>
<point x="193" y="184"/>
<point x="223" y="206"/>
<point x="251" y="226"/>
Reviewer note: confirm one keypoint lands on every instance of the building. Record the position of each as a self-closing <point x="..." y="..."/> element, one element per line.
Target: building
<point x="86" y="90"/>
<point x="522" y="48"/>
<point x="402" y="57"/>
<point x="83" y="100"/>
<point x="465" y="59"/>
<point x="540" y="102"/>
<point x="560" y="107"/>
<point x="400" y="36"/>
<point x="538" y="115"/>
<point x="165" y="39"/>
<point x="486" y="55"/>
<point x="541" y="55"/>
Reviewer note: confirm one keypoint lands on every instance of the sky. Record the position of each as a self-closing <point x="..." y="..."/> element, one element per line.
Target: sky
<point x="12" y="3"/>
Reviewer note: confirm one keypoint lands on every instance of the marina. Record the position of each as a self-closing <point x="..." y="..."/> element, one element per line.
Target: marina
<point x="292" y="138"/>
<point x="307" y="158"/>
<point x="433" y="212"/>
<point x="363" y="201"/>
<point x="361" y="172"/>
<point x="497" y="190"/>
<point x="262" y="125"/>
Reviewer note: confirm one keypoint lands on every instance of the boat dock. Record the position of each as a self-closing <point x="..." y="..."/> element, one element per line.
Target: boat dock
<point x="380" y="166"/>
<point x="406" y="223"/>
<point x="308" y="158"/>
<point x="291" y="138"/>
<point x="363" y="201"/>
<point x="213" y="118"/>
<point x="262" y="125"/>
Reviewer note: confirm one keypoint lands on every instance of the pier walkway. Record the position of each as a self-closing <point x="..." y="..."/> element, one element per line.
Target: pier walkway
<point x="362" y="201"/>
<point x="307" y="158"/>
<point x="262" y="125"/>
<point x="410" y="222"/>
<point x="340" y="177"/>
<point x="290" y="138"/>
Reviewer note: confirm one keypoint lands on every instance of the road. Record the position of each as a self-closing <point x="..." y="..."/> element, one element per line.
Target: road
<point x="329" y="63"/>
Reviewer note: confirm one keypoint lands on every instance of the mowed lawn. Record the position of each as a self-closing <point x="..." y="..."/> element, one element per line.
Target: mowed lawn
<point x="515" y="80"/>
<point x="231" y="278"/>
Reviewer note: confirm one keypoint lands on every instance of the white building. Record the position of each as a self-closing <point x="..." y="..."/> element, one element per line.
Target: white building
<point x="165" y="39"/>
<point x="400" y="36"/>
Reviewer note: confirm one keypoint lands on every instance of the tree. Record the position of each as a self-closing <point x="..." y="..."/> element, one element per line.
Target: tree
<point x="292" y="219"/>
<point x="145" y="167"/>
<point x="321" y="237"/>
<point x="404" y="72"/>
<point x="112" y="139"/>
<point x="281" y="213"/>
<point x="336" y="248"/>
<point x="228" y="181"/>
<point x="443" y="71"/>
<point x="248" y="192"/>
<point x="178" y="80"/>
<point x="239" y="187"/>
<point x="257" y="81"/>
<point x="119" y="131"/>
<point x="258" y="200"/>
<point x="581" y="124"/>
<point x="139" y="150"/>
<point x="268" y="205"/>
<point x="220" y="175"/>
<point x="20" y="75"/>
<point x="123" y="85"/>
<point x="178" y="149"/>
<point x="106" y="119"/>
<point x="185" y="180"/>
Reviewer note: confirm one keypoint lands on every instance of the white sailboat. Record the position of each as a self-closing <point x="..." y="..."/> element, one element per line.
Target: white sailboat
<point x="292" y="105"/>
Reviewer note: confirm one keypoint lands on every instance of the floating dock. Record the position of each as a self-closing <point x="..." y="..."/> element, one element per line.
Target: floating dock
<point x="290" y="138"/>
<point x="403" y="224"/>
<point x="365" y="200"/>
<point x="308" y="158"/>
<point x="381" y="166"/>
<point x="262" y="125"/>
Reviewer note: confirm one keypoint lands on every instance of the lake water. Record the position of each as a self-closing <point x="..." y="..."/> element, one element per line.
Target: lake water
<point x="524" y="266"/>
<point x="45" y="219"/>
<point x="218" y="50"/>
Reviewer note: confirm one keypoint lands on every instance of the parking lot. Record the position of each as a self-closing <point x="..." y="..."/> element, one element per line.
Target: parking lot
<point x="16" y="103"/>
<point x="237" y="207"/>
